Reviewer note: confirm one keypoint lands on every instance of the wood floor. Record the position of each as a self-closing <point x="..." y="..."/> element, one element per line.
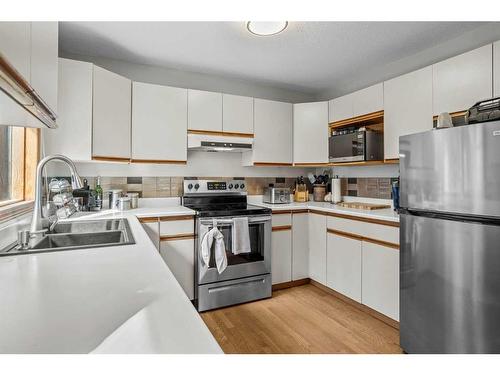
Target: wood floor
<point x="303" y="319"/>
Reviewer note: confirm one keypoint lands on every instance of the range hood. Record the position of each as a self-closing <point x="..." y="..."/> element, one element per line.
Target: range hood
<point x="215" y="143"/>
<point x="19" y="90"/>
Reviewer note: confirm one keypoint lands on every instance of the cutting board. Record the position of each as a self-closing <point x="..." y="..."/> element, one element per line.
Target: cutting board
<point x="363" y="206"/>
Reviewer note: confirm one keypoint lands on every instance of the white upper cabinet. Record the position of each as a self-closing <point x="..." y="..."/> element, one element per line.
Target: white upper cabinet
<point x="463" y="80"/>
<point x="15" y="45"/>
<point x="330" y="111"/>
<point x="111" y="115"/>
<point x="159" y="123"/>
<point x="73" y="136"/>
<point x="204" y="110"/>
<point x="496" y="69"/>
<point x="368" y="100"/>
<point x="273" y="127"/>
<point x="407" y="108"/>
<point x="237" y="114"/>
<point x="44" y="61"/>
<point x="310" y="132"/>
<point x="341" y="108"/>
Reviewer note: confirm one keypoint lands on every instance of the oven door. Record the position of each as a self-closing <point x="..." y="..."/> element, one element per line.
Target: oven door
<point x="347" y="147"/>
<point x="257" y="262"/>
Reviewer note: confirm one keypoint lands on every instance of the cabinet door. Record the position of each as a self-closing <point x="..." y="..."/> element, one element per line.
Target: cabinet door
<point x="179" y="256"/>
<point x="330" y="111"/>
<point x="317" y="248"/>
<point x="281" y="256"/>
<point x="15" y="45"/>
<point x="310" y="132"/>
<point x="111" y="115"/>
<point x="380" y="289"/>
<point x="300" y="246"/>
<point x="368" y="100"/>
<point x="153" y="232"/>
<point x="272" y="132"/>
<point x="344" y="266"/>
<point x="44" y="61"/>
<point x="463" y="80"/>
<point x="496" y="69"/>
<point x="342" y="108"/>
<point x="73" y="137"/>
<point x="237" y="114"/>
<point x="159" y="123"/>
<point x="407" y="108"/>
<point x="204" y="110"/>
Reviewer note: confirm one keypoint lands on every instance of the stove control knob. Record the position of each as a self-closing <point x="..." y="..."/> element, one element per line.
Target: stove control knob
<point x="190" y="186"/>
<point x="230" y="186"/>
<point x="242" y="186"/>
<point x="236" y="186"/>
<point x="196" y="186"/>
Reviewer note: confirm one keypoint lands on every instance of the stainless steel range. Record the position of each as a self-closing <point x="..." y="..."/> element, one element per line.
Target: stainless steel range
<point x="247" y="277"/>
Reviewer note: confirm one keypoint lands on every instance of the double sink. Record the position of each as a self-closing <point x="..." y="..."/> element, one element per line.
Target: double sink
<point x="82" y="234"/>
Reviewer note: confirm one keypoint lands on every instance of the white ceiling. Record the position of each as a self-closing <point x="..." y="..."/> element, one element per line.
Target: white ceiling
<point x="312" y="57"/>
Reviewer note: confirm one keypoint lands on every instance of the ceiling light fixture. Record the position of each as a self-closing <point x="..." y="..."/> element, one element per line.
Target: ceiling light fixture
<point x="264" y="28"/>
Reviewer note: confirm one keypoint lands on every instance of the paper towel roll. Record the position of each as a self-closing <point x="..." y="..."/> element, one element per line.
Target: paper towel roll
<point x="336" y="197"/>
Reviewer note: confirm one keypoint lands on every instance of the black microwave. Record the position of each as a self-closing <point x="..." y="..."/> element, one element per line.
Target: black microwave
<point x="356" y="145"/>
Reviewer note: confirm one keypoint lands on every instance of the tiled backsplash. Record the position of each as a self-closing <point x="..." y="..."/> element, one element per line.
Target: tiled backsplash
<point x="162" y="187"/>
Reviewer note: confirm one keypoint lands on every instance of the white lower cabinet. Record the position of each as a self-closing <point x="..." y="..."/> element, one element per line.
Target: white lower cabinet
<point x="381" y="279"/>
<point x="281" y="256"/>
<point x="317" y="248"/>
<point x="179" y="257"/>
<point x="300" y="246"/>
<point x="343" y="265"/>
<point x="152" y="229"/>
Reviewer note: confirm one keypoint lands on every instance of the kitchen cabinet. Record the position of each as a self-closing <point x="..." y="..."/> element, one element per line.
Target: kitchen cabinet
<point x="317" y="247"/>
<point x="496" y="69"/>
<point x="111" y="115"/>
<point x="310" y="133"/>
<point x="330" y="111"/>
<point x="237" y="114"/>
<point x="179" y="257"/>
<point x="300" y="245"/>
<point x="341" y="108"/>
<point x="407" y="108"/>
<point x="15" y="45"/>
<point x="281" y="256"/>
<point x="273" y="128"/>
<point x="159" y="123"/>
<point x="381" y="279"/>
<point x="463" y="80"/>
<point x="73" y="137"/>
<point x="152" y="228"/>
<point x="343" y="265"/>
<point x="204" y="110"/>
<point x="368" y="100"/>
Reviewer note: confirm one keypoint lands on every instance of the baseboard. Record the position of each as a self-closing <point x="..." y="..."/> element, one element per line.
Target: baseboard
<point x="291" y="284"/>
<point x="368" y="310"/>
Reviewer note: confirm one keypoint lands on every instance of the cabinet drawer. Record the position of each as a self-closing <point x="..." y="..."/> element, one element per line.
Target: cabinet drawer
<point x="176" y="225"/>
<point x="375" y="231"/>
<point x="281" y="219"/>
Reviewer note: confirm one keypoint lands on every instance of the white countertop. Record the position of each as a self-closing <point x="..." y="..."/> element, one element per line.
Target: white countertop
<point x="120" y="299"/>
<point x="387" y="214"/>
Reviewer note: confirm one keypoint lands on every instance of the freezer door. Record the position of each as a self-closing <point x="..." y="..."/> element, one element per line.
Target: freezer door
<point x="449" y="286"/>
<point x="452" y="170"/>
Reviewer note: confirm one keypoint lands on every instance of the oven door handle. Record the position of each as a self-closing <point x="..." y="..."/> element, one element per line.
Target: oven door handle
<point x="252" y="220"/>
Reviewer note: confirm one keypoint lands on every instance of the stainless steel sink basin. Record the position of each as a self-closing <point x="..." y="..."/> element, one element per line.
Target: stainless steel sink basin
<point x="83" y="234"/>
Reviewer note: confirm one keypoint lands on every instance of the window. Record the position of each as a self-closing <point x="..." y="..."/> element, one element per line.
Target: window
<point x="19" y="154"/>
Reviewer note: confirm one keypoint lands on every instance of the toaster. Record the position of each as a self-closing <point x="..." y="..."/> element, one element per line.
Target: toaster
<point x="275" y="195"/>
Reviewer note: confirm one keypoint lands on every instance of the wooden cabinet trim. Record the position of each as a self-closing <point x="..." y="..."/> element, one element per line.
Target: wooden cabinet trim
<point x="311" y="164"/>
<point x="282" y="212"/>
<point x="111" y="158"/>
<point x="359" y="218"/>
<point x="378" y="115"/>
<point x="271" y="164"/>
<point x="176" y="237"/>
<point x="300" y="211"/>
<point x="158" y="161"/>
<point x="391" y="161"/>
<point x="177" y="217"/>
<point x="363" y="238"/>
<point x="281" y="228"/>
<point x="148" y="219"/>
<point x="224" y="134"/>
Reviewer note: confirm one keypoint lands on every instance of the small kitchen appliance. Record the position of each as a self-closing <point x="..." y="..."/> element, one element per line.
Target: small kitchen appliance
<point x="274" y="195"/>
<point x="355" y="145"/>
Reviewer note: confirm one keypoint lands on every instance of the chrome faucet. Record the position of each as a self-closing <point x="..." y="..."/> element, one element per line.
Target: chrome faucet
<point x="38" y="223"/>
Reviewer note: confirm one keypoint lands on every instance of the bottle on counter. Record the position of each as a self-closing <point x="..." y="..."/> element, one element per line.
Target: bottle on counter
<point x="99" y="195"/>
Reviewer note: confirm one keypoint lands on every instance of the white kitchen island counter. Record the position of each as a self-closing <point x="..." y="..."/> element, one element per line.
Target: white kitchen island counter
<point x="118" y="299"/>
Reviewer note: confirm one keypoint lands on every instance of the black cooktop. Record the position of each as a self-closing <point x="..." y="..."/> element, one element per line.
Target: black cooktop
<point x="216" y="210"/>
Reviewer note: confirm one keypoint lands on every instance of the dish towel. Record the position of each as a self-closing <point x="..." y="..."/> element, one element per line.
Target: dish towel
<point x="220" y="249"/>
<point x="241" y="236"/>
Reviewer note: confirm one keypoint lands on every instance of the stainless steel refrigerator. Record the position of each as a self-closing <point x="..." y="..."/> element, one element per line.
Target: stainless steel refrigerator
<point x="450" y="240"/>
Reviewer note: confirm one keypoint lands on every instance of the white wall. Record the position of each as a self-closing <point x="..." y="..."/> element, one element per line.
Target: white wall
<point x="193" y="80"/>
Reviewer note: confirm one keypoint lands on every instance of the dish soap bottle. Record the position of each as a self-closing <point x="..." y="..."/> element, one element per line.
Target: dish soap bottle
<point x="98" y="191"/>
